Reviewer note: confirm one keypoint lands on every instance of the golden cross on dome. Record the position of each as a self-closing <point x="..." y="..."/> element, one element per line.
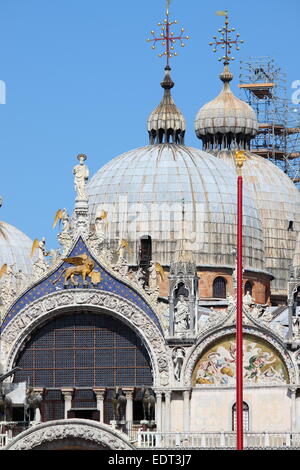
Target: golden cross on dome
<point x="226" y="40"/>
<point x="167" y="37"/>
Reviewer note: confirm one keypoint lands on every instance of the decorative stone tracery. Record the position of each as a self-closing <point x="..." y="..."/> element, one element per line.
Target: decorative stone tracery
<point x="82" y="430"/>
<point x="46" y="307"/>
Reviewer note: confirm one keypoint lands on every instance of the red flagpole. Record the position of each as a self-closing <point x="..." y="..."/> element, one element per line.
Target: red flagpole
<point x="239" y="321"/>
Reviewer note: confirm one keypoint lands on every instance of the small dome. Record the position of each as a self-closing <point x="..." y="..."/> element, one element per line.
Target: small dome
<point x="226" y="121"/>
<point x="146" y="192"/>
<point x="166" y="123"/>
<point x="15" y="248"/>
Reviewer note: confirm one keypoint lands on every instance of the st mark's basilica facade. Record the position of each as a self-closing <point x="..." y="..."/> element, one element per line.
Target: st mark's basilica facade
<point x="124" y="336"/>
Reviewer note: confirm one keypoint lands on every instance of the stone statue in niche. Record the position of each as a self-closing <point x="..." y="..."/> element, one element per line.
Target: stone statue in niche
<point x="247" y="299"/>
<point x="178" y="356"/>
<point x="296" y="325"/>
<point x="182" y="315"/>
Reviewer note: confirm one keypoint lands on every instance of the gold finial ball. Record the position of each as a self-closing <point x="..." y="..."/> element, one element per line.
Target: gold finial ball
<point x="240" y="158"/>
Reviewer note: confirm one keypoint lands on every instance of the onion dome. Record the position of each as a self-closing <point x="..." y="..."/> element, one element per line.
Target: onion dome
<point x="226" y="121"/>
<point x="142" y="192"/>
<point x="15" y="248"/>
<point x="278" y="202"/>
<point x="166" y="123"/>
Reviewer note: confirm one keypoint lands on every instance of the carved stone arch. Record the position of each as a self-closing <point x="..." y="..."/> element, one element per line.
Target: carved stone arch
<point x="209" y="339"/>
<point x="64" y="434"/>
<point x="47" y="307"/>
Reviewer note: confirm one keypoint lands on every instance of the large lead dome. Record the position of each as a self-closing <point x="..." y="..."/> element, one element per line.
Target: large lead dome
<point x="151" y="190"/>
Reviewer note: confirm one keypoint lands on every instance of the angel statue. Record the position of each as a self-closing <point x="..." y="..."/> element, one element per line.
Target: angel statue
<point x="83" y="266"/>
<point x="40" y="266"/>
<point x="123" y="246"/>
<point x="156" y="273"/>
<point x="99" y="224"/>
<point x="81" y="176"/>
<point x="62" y="216"/>
<point x="41" y="247"/>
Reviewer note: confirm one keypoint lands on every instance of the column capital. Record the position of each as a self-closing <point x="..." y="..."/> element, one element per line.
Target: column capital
<point x="67" y="392"/>
<point x="293" y="388"/>
<point x="40" y="390"/>
<point x="129" y="391"/>
<point x="99" y="392"/>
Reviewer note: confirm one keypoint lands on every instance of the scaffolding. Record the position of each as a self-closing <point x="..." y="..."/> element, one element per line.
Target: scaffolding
<point x="278" y="137"/>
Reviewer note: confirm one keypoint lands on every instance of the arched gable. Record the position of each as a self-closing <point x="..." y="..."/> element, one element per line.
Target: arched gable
<point x="86" y="433"/>
<point x="110" y="283"/>
<point x="258" y="347"/>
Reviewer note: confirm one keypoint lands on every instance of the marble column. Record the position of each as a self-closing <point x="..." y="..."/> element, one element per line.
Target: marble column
<point x="186" y="411"/>
<point x="67" y="394"/>
<point x="158" y="411"/>
<point x="129" y="403"/>
<point x="37" y="413"/>
<point x="100" y="393"/>
<point x="167" y="411"/>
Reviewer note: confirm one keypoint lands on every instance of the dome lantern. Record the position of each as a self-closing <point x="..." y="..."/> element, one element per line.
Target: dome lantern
<point x="226" y="121"/>
<point x="166" y="123"/>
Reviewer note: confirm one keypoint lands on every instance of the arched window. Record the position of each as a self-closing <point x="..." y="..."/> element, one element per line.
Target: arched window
<point x="145" y="252"/>
<point x="245" y="417"/>
<point x="181" y="290"/>
<point x="219" y="288"/>
<point x="83" y="351"/>
<point x="248" y="288"/>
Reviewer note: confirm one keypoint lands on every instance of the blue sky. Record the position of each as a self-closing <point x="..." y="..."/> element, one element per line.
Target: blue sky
<point x="81" y="78"/>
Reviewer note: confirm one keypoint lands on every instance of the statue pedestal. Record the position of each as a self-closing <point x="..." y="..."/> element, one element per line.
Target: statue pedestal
<point x="113" y="423"/>
<point x="119" y="425"/>
<point x="148" y="425"/>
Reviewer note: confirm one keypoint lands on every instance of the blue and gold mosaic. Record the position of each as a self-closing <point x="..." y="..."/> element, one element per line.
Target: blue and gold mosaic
<point x="108" y="283"/>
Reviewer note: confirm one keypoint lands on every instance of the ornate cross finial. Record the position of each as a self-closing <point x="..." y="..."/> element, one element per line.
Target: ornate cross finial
<point x="167" y="37"/>
<point x="226" y="41"/>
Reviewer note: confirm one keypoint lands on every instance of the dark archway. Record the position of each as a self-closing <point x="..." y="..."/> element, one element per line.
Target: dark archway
<point x="248" y="288"/>
<point x="83" y="351"/>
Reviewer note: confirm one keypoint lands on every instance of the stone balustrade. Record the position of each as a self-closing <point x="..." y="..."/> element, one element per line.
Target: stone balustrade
<point x="222" y="440"/>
